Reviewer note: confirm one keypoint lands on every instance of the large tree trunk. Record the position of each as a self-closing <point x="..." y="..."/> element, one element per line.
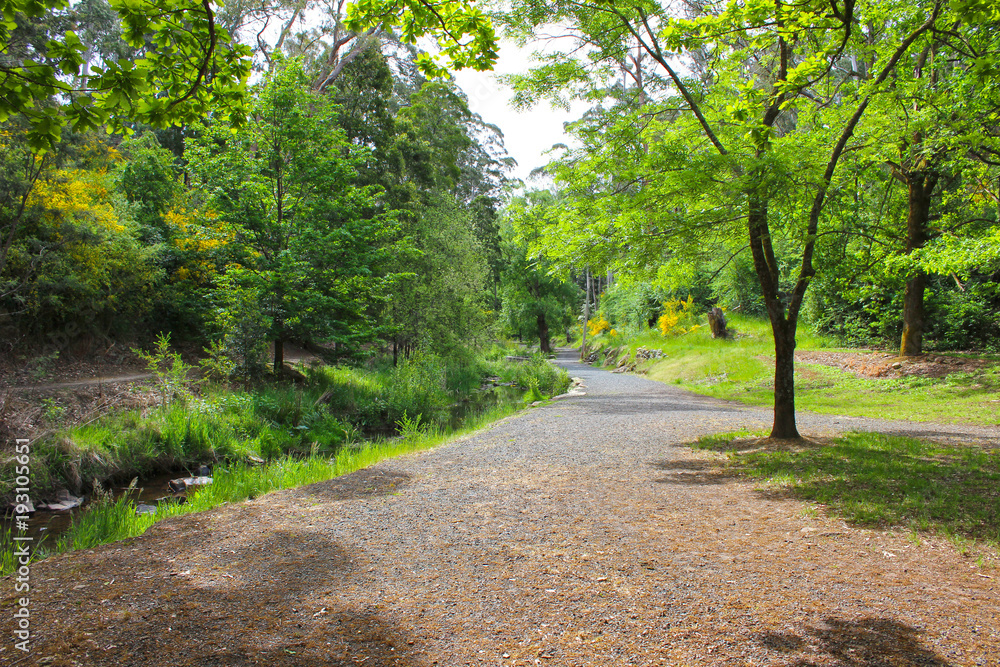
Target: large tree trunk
<point x="782" y="326"/>
<point x="920" y="185"/>
<point x="543" y="334"/>
<point x="784" y="380"/>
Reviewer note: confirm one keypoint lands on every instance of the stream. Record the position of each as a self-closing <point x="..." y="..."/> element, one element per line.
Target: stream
<point x="45" y="526"/>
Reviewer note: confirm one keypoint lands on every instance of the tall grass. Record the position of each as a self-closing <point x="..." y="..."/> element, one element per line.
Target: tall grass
<point x="305" y="434"/>
<point x="337" y="406"/>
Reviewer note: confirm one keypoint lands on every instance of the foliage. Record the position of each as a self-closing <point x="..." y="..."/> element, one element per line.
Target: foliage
<point x="309" y="243"/>
<point x="186" y="69"/>
<point x="464" y="34"/>
<point x="337" y="407"/>
<point x="596" y="326"/>
<point x="172" y="374"/>
<point x="80" y="263"/>
<point x="677" y="317"/>
<point x="535" y="301"/>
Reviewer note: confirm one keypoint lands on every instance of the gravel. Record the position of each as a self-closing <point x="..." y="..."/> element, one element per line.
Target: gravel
<point x="581" y="532"/>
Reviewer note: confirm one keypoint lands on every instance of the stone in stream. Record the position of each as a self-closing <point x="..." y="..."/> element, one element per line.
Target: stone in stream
<point x="184" y="483"/>
<point x="64" y="501"/>
<point x="20" y="508"/>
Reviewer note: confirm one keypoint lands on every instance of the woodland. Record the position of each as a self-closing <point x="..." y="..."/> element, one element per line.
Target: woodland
<point x="231" y="179"/>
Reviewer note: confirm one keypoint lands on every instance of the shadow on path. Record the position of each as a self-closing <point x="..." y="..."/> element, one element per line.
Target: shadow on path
<point x="868" y="642"/>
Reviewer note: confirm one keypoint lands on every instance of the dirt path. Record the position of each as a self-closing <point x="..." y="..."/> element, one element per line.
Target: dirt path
<point x="86" y="382"/>
<point x="579" y="533"/>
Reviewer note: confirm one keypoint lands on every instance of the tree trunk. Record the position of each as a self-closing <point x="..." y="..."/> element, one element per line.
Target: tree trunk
<point x="543" y="334"/>
<point x="766" y="266"/>
<point x="920" y="185"/>
<point x="586" y="318"/>
<point x="717" y="323"/>
<point x="784" y="380"/>
<point x="279" y="356"/>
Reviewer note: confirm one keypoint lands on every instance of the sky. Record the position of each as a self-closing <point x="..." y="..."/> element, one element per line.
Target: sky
<point x="527" y="134"/>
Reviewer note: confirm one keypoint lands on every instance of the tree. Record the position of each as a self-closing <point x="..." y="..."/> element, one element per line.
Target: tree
<point x="535" y="301"/>
<point x="764" y="73"/>
<point x="186" y="69"/>
<point x="284" y="185"/>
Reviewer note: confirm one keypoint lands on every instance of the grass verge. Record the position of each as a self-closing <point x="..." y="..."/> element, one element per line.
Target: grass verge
<point x="742" y="369"/>
<point x="883" y="481"/>
<point x="109" y="519"/>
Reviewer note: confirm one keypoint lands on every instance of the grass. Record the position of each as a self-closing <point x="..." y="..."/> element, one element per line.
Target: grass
<point x="972" y="398"/>
<point x="742" y="369"/>
<point x="336" y="407"/>
<point x="884" y="481"/>
<point x="110" y="519"/>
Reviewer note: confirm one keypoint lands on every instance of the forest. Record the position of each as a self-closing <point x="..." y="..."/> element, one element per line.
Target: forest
<point x="198" y="188"/>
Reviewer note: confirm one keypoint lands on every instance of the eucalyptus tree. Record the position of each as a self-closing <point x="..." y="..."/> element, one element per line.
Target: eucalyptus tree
<point x="766" y="113"/>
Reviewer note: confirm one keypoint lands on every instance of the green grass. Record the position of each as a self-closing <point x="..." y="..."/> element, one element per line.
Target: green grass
<point x="336" y="407"/>
<point x="108" y="520"/>
<point x="742" y="369"/>
<point x="972" y="398"/>
<point x="884" y="481"/>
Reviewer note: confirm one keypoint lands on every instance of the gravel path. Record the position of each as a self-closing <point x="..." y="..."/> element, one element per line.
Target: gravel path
<point x="582" y="532"/>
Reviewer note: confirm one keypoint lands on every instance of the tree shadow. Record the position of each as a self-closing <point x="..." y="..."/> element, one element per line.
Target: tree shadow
<point x="233" y="600"/>
<point x="691" y="473"/>
<point x="652" y="403"/>
<point x="362" y="483"/>
<point x="868" y="642"/>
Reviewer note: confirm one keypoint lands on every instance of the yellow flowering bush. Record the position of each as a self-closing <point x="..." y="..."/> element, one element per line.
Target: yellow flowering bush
<point x="677" y="317"/>
<point x="595" y="327"/>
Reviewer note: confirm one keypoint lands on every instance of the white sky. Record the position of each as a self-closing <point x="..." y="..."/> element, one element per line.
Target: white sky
<point x="527" y="134"/>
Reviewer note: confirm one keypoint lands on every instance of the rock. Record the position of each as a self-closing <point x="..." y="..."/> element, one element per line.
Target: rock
<point x="644" y="354"/>
<point x="64" y="501"/>
<point x="897" y="365"/>
<point x="204" y="471"/>
<point x="184" y="483"/>
<point x="145" y="509"/>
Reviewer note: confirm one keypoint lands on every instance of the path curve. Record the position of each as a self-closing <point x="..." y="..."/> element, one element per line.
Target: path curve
<point x="582" y="532"/>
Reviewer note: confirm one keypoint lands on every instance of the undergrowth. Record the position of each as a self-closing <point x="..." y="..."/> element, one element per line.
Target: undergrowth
<point x="110" y="518"/>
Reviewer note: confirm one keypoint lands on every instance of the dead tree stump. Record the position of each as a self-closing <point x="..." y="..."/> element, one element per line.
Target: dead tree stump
<point x="717" y="322"/>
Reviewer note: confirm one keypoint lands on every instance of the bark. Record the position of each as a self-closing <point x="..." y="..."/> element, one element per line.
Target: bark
<point x="279" y="356"/>
<point x="586" y="318"/>
<point x="920" y="186"/>
<point x="782" y="325"/>
<point x="717" y="322"/>
<point x="543" y="334"/>
<point x="784" y="380"/>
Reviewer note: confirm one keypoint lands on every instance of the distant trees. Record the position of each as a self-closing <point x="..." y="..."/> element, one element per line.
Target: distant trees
<point x="742" y="146"/>
<point x="285" y="211"/>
